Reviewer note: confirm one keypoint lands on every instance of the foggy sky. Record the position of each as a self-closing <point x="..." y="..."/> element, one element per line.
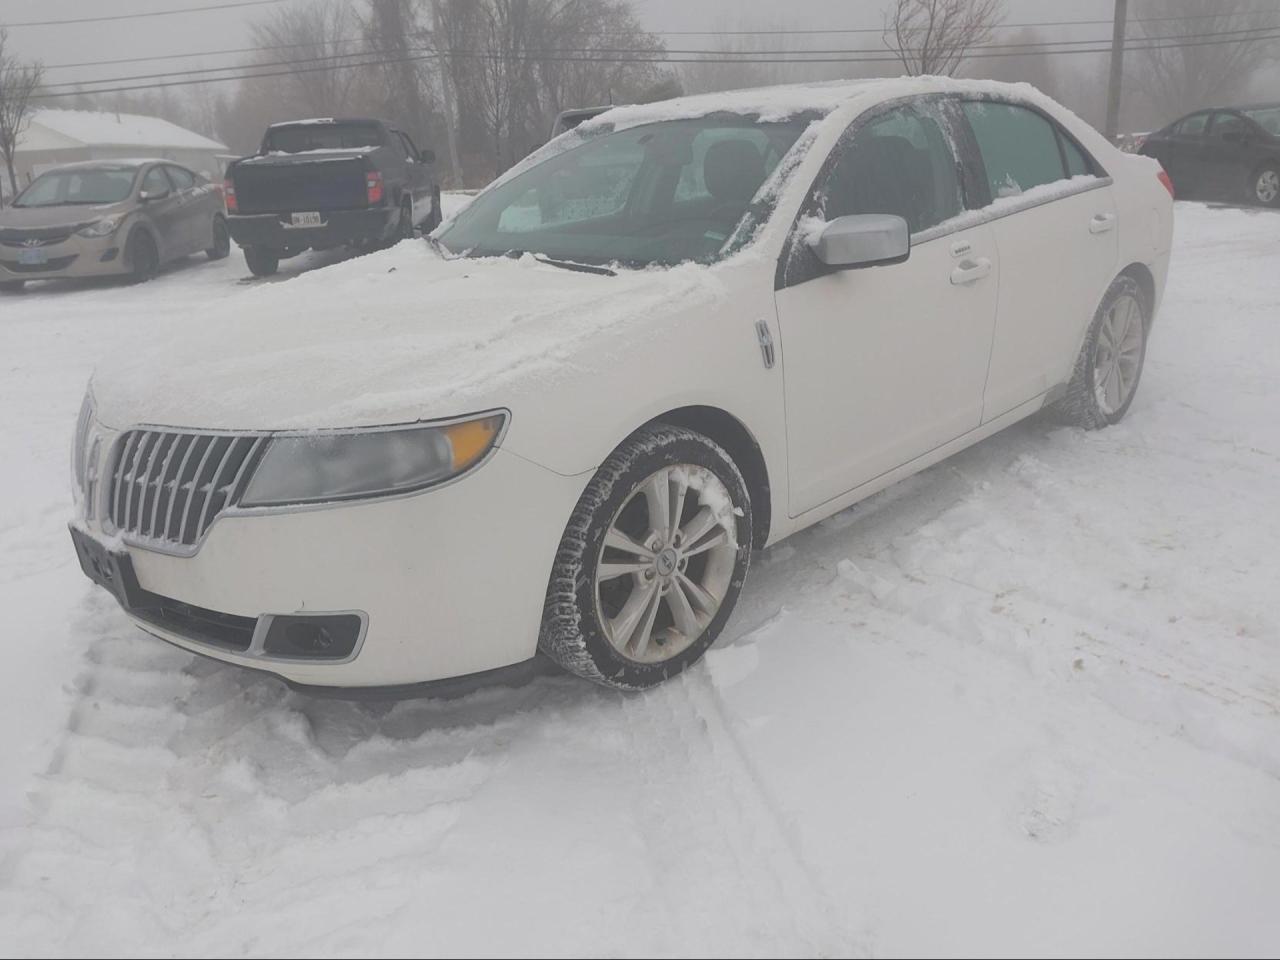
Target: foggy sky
<point x="215" y="30"/>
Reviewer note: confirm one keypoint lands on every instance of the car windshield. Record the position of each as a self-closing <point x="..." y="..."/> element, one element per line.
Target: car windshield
<point x="86" y="186"/>
<point x="661" y="193"/>
<point x="300" y="137"/>
<point x="1266" y="117"/>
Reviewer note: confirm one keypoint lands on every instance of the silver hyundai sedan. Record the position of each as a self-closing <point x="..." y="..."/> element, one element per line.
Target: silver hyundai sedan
<point x="105" y="218"/>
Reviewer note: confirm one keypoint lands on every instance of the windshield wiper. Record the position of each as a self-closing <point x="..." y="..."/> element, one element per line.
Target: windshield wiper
<point x="579" y="267"/>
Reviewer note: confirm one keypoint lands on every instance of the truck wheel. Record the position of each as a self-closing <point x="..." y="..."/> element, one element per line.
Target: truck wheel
<point x="404" y="224"/>
<point x="262" y="261"/>
<point x="436" y="217"/>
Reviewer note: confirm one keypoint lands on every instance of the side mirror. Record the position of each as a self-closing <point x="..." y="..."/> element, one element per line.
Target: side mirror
<point x="428" y="156"/>
<point x="147" y="196"/>
<point x="861" y="240"/>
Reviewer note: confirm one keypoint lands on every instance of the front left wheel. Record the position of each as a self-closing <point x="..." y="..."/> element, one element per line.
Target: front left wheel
<point x="651" y="562"/>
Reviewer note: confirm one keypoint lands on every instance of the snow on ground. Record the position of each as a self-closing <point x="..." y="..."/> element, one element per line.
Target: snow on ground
<point x="1027" y="701"/>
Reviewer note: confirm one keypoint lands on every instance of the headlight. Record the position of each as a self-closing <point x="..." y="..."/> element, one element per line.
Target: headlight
<point x="319" y="467"/>
<point x="101" y="228"/>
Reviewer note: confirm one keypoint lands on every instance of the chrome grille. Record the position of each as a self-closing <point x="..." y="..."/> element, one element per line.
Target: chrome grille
<point x="168" y="486"/>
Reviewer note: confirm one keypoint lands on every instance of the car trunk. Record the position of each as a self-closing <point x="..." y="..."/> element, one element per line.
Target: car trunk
<point x="281" y="184"/>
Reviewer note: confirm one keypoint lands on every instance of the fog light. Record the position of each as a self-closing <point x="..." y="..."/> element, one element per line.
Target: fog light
<point x="109" y="254"/>
<point x="330" y="636"/>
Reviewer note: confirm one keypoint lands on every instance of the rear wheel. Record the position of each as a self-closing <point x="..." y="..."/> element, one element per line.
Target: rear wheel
<point x="404" y="224"/>
<point x="221" y="240"/>
<point x="262" y="261"/>
<point x="141" y="255"/>
<point x="1265" y="186"/>
<point x="1110" y="362"/>
<point x="652" y="561"/>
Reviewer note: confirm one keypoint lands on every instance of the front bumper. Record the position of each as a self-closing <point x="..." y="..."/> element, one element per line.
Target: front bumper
<point x="76" y="256"/>
<point x="448" y="582"/>
<point x="274" y="232"/>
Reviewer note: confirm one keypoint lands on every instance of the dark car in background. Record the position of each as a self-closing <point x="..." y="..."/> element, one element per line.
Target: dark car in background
<point x="316" y="184"/>
<point x="1224" y="153"/>
<point x="109" y="217"/>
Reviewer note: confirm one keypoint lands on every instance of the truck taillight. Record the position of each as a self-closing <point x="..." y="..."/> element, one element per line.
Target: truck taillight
<point x="229" y="195"/>
<point x="373" y="186"/>
<point x="1167" y="181"/>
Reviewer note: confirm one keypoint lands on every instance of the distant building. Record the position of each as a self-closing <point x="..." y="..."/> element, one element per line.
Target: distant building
<point x="55" y="137"/>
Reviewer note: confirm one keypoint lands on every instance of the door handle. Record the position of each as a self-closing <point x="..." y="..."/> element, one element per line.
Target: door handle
<point x="1102" y="222"/>
<point x="970" y="271"/>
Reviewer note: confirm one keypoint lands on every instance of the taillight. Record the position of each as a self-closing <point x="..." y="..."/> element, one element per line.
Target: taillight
<point x="373" y="187"/>
<point x="1168" y="183"/>
<point x="229" y="195"/>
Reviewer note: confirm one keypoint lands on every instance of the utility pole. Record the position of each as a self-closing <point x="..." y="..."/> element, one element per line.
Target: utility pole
<point x="1117" y="70"/>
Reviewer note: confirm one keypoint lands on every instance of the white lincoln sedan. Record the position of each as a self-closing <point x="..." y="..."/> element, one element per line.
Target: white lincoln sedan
<point x="678" y="333"/>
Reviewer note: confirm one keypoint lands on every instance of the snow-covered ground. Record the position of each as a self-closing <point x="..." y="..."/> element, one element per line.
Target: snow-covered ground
<point x="1026" y="702"/>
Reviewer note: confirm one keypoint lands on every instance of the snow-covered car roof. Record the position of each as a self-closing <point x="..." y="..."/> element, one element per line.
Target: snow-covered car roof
<point x="788" y="100"/>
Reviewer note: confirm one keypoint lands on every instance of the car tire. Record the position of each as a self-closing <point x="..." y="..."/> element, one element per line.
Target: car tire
<point x="221" y="240"/>
<point x="142" y="256"/>
<point x="1110" y="364"/>
<point x="1264" y="186"/>
<point x="12" y="286"/>
<point x="638" y="594"/>
<point x="263" y="262"/>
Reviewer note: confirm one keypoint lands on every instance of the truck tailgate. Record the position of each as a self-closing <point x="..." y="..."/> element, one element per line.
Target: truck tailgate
<point x="288" y="184"/>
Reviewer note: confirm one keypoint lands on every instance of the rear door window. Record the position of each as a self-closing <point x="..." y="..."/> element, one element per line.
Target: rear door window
<point x="900" y="163"/>
<point x="1228" y="123"/>
<point x="1019" y="147"/>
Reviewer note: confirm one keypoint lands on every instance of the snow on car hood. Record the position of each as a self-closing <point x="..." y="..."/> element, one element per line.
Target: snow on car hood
<point x="393" y="337"/>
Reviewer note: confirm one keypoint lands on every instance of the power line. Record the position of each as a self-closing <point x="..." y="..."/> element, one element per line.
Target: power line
<point x="802" y="56"/>
<point x="658" y="58"/>
<point x="139" y="16"/>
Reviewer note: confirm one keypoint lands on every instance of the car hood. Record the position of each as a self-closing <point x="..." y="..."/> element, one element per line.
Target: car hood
<point x="45" y="218"/>
<point x="393" y="337"/>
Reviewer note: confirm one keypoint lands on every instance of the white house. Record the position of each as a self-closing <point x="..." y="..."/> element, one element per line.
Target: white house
<point x="55" y="137"/>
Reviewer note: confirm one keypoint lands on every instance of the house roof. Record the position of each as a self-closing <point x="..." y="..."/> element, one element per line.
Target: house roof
<point x="51" y="129"/>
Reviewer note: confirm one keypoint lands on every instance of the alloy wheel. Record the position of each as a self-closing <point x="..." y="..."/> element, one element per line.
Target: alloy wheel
<point x="666" y="563"/>
<point x="1267" y="187"/>
<point x="1117" y="358"/>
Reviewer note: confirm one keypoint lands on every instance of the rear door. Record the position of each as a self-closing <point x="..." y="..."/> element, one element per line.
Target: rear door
<point x="883" y="364"/>
<point x="1057" y="240"/>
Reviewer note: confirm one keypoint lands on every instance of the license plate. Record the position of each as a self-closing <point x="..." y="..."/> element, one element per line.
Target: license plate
<point x="112" y="571"/>
<point x="305" y="220"/>
<point x="33" y="256"/>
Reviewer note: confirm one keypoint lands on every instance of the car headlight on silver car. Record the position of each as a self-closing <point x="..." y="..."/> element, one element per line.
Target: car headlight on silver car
<point x="101" y="228"/>
<point x="381" y="461"/>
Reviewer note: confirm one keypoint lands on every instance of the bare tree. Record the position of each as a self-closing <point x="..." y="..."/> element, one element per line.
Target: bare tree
<point x="934" y="36"/>
<point x="1177" y="78"/>
<point x="18" y="81"/>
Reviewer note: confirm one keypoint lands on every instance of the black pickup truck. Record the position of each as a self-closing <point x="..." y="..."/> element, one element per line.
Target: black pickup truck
<point x="316" y="184"/>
